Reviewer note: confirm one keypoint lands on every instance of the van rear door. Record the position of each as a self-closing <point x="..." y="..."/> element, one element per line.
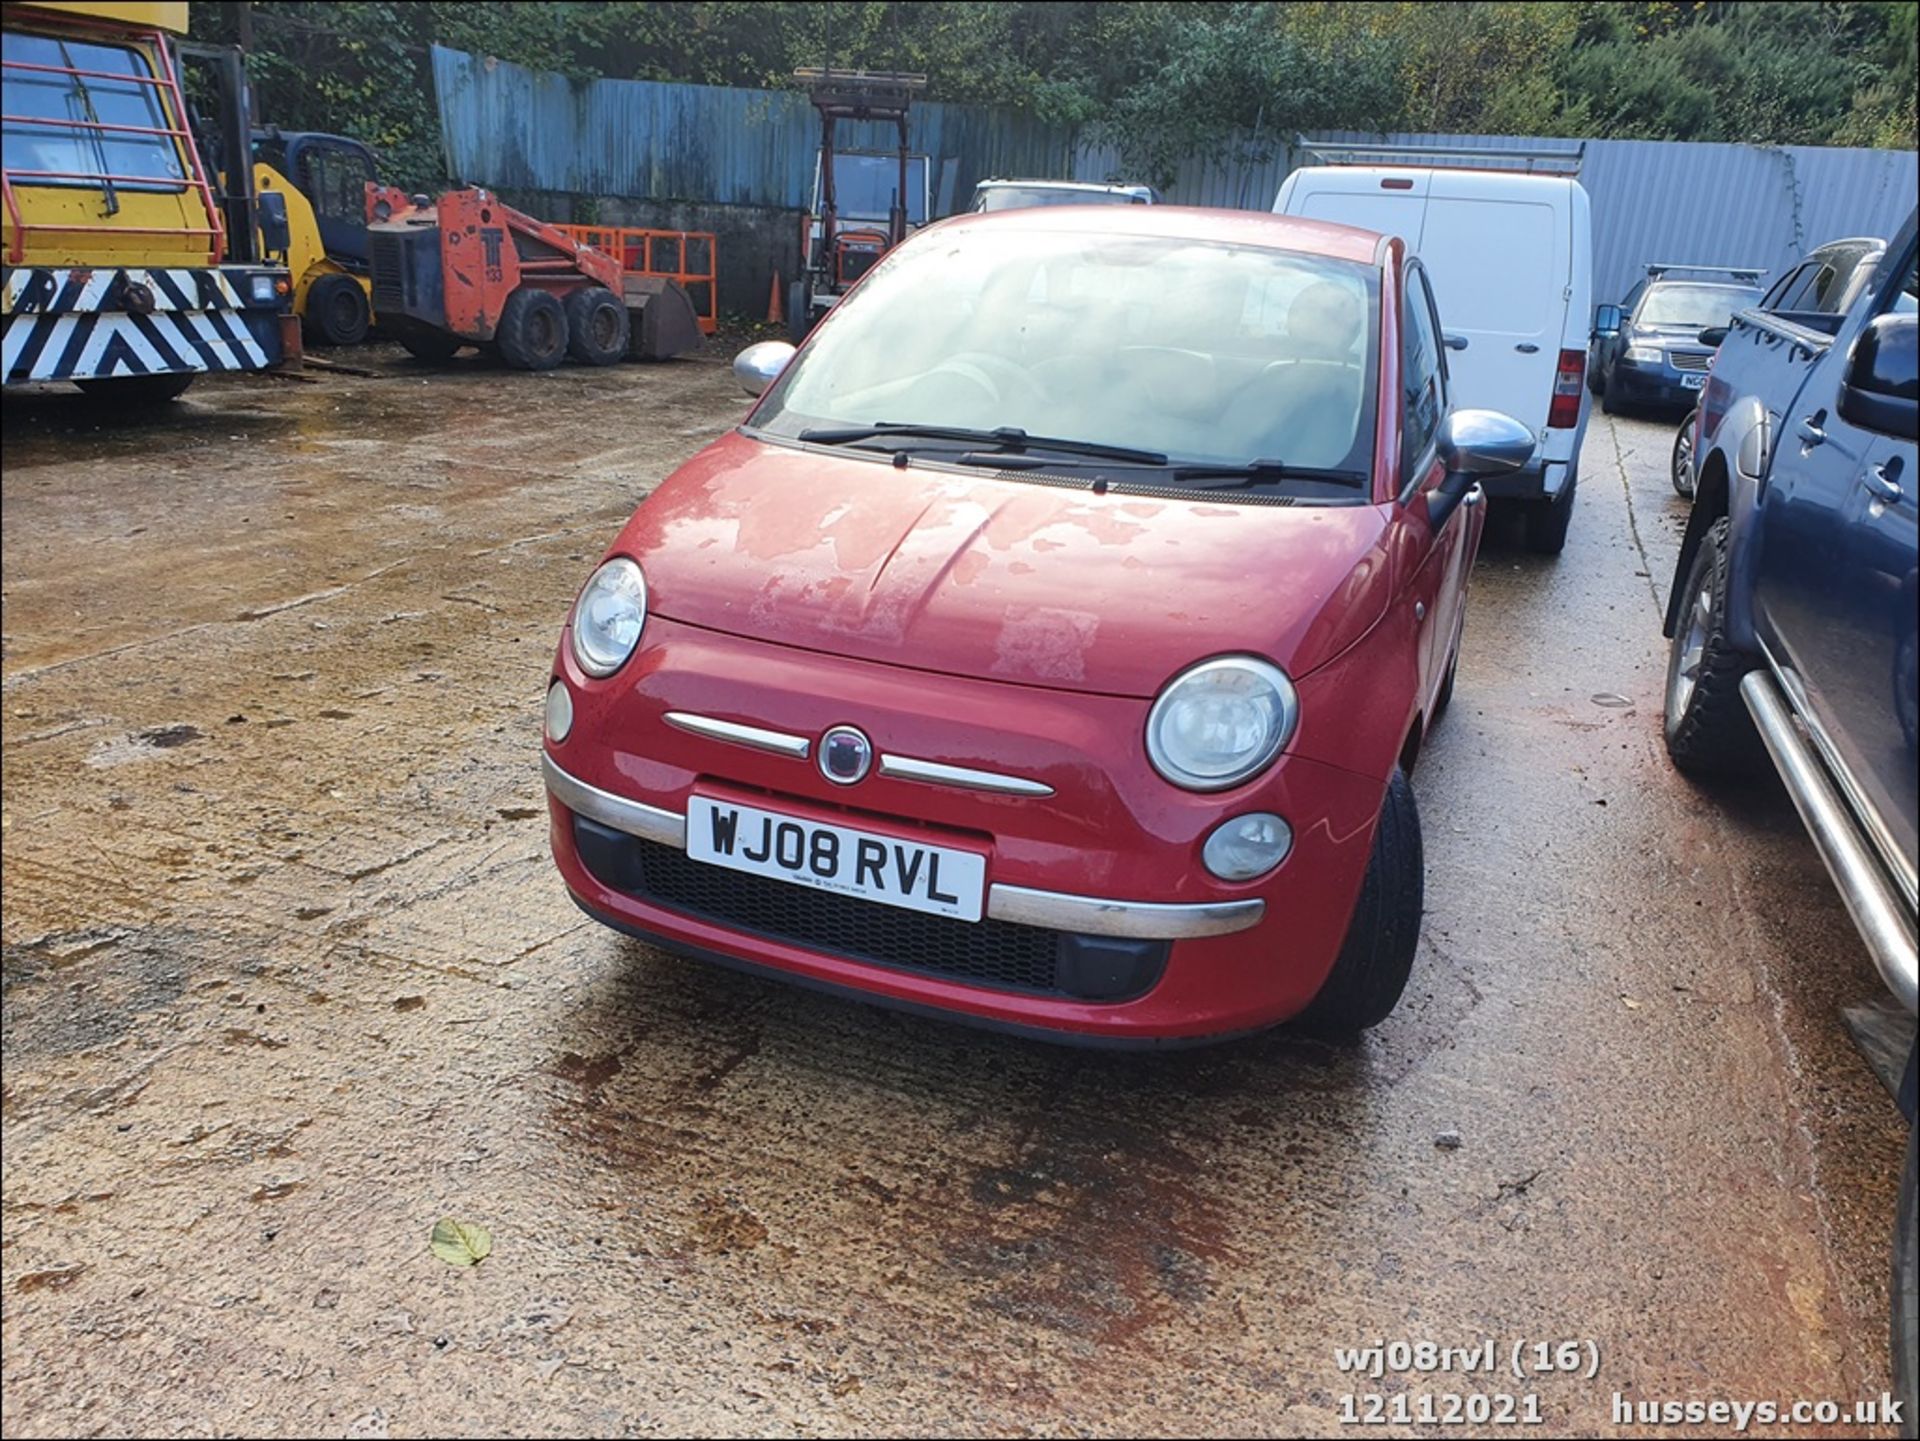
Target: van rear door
<point x="1500" y="259"/>
<point x="1370" y="197"/>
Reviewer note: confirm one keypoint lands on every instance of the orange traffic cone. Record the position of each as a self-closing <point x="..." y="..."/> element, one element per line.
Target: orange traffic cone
<point x="776" y="312"/>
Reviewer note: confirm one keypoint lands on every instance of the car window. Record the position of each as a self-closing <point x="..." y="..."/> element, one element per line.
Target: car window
<point x="1696" y="307"/>
<point x="1771" y="300"/>
<point x="1207" y="352"/>
<point x="1809" y="284"/>
<point x="1422" y="390"/>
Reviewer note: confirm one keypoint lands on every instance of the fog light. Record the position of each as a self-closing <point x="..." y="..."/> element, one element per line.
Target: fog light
<point x="1247" y="846"/>
<point x="559" y="711"/>
<point x="263" y="291"/>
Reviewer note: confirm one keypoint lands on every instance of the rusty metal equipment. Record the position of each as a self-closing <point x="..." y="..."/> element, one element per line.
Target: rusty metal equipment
<point x="466" y="269"/>
<point x="832" y="259"/>
<point x="691" y="258"/>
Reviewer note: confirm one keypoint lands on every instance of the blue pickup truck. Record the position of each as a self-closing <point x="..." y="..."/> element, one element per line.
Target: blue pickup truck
<point x="1793" y="607"/>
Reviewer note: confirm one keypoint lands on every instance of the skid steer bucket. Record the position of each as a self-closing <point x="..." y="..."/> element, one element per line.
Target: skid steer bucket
<point x="664" y="321"/>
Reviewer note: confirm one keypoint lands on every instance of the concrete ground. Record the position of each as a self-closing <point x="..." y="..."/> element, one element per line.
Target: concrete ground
<point x="289" y="977"/>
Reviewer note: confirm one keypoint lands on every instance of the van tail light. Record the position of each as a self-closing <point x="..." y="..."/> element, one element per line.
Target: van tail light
<point x="1567" y="379"/>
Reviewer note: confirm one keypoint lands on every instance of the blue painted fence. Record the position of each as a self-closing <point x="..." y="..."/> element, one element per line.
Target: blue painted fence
<point x="515" y="129"/>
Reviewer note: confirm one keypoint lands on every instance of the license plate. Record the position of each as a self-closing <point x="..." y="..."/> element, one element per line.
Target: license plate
<point x="1693" y="382"/>
<point x="916" y="876"/>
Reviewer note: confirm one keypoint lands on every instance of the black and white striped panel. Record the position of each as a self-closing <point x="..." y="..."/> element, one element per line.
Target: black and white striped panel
<point x="37" y="290"/>
<point x="88" y="345"/>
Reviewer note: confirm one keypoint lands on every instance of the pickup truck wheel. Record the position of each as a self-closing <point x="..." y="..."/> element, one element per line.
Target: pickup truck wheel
<point x="1906" y="1286"/>
<point x="1377" y="956"/>
<point x="532" y="334"/>
<point x="1547" y="520"/>
<point x="597" y="325"/>
<point x="1708" y="729"/>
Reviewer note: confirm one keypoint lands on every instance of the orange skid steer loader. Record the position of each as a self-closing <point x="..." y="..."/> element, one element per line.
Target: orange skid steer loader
<point x="468" y="270"/>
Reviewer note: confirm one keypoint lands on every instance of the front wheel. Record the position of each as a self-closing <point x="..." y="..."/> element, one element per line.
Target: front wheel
<point x="337" y="311"/>
<point x="140" y="389"/>
<point x="1708" y="728"/>
<point x="597" y="326"/>
<point x="1376" y="958"/>
<point x="1681" y="466"/>
<point x="436" y="347"/>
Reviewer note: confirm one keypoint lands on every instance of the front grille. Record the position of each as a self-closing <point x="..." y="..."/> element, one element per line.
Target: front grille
<point x="997" y="954"/>
<point x="1693" y="360"/>
<point x="389" y="273"/>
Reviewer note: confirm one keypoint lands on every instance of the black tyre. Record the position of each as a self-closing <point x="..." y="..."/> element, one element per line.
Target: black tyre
<point x="337" y="311"/>
<point x="435" y="347"/>
<point x="1547" y="520"/>
<point x="799" y="313"/>
<point x="140" y="389"/>
<point x="533" y="330"/>
<point x="1681" y="466"/>
<point x="1906" y="1288"/>
<point x="1596" y="382"/>
<point x="597" y="326"/>
<point x="1377" y="955"/>
<point x="1708" y="729"/>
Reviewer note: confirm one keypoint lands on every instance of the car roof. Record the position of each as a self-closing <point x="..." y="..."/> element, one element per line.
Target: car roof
<point x="1186" y="222"/>
<point x="1065" y="184"/>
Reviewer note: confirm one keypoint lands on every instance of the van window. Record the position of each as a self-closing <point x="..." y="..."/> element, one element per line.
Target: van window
<point x="1384" y="212"/>
<point x="1500" y="262"/>
<point x="1423" y="393"/>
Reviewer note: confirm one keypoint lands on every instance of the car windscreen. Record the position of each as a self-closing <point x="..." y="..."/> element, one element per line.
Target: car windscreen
<point x="1698" y="306"/>
<point x="1023" y="197"/>
<point x="865" y="187"/>
<point x="1219" y="354"/>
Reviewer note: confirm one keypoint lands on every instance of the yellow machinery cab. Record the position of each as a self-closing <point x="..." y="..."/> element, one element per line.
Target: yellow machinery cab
<point x="124" y="269"/>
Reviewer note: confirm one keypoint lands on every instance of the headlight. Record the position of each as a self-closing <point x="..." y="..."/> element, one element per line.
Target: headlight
<point x="608" y="616"/>
<point x="1645" y="354"/>
<point x="263" y="291"/>
<point x="1220" y="722"/>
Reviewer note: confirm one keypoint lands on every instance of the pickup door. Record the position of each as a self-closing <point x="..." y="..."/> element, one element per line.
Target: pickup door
<point x="1835" y="596"/>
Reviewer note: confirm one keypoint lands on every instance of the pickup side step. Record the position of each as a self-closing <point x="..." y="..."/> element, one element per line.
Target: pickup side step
<point x="1883" y="920"/>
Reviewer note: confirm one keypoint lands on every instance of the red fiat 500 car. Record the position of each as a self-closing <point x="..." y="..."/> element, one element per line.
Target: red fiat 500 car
<point x="1048" y="646"/>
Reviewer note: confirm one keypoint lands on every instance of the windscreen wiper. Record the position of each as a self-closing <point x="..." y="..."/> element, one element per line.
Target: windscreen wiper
<point x="1258" y="472"/>
<point x="109" y="196"/>
<point x="1007" y="437"/>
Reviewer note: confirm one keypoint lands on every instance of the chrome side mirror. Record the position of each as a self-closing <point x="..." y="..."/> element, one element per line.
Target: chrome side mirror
<point x="1483" y="442"/>
<point x="1473" y="443"/>
<point x="758" y="366"/>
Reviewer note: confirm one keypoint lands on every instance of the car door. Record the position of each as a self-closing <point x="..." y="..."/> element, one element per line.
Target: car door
<point x="1836" y="590"/>
<point x="1439" y="588"/>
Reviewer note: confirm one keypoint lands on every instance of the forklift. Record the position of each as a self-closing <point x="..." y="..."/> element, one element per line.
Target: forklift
<point x="868" y="187"/>
<point x="324" y="179"/>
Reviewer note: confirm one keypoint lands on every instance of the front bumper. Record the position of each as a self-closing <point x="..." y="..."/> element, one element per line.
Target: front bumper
<point x="1638" y="382"/>
<point x="101" y="323"/>
<point x="1099" y="883"/>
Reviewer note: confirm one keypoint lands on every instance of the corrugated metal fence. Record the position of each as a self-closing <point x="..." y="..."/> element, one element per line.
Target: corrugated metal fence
<point x="514" y="129"/>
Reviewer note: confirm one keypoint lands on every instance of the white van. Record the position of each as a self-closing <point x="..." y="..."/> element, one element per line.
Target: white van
<point x="1511" y="260"/>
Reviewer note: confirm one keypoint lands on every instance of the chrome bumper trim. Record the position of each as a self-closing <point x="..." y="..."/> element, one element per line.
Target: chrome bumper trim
<point x="936" y="773"/>
<point x="1885" y="924"/>
<point x="1136" y="920"/>
<point x="1018" y="905"/>
<point x="778" y="742"/>
<point x="647" y="822"/>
